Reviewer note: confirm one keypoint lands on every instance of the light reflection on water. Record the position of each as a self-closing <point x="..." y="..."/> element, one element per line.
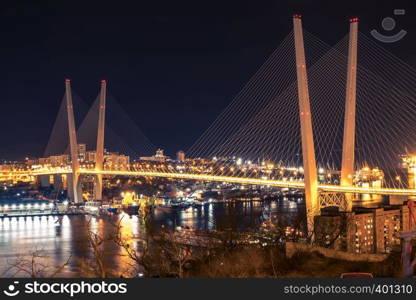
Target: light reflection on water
<point x="246" y="215"/>
<point x="58" y="238"/>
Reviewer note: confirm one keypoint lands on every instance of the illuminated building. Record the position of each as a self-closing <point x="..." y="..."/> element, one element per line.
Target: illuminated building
<point x="129" y="198"/>
<point x="44" y="161"/>
<point x="82" y="151"/>
<point x="365" y="230"/>
<point x="90" y="156"/>
<point x="59" y="160"/>
<point x="180" y="156"/>
<point x="116" y="161"/>
<point x="159" y="156"/>
<point x="367" y="177"/>
<point x="409" y="163"/>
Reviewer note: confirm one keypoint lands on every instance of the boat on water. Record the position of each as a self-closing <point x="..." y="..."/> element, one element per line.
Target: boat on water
<point x="108" y="208"/>
<point x="181" y="205"/>
<point x="62" y="207"/>
<point x="112" y="210"/>
<point x="172" y="204"/>
<point x="131" y="209"/>
<point x="92" y="207"/>
<point x="164" y="208"/>
<point x="197" y="203"/>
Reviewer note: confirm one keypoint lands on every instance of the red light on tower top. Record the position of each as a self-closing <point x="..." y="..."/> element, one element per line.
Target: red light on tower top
<point x="67" y="80"/>
<point x="103" y="81"/>
<point x="297" y="16"/>
<point x="353" y="20"/>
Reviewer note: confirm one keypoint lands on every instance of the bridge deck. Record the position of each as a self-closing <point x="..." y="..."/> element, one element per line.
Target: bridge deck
<point x="234" y="179"/>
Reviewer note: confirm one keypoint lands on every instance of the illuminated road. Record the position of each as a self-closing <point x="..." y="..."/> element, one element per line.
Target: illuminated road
<point x="229" y="179"/>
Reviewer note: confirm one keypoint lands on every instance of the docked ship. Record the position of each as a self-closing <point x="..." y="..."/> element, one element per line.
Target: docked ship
<point x="132" y="209"/>
<point x="109" y="209"/>
<point x="130" y="203"/>
<point x="93" y="207"/>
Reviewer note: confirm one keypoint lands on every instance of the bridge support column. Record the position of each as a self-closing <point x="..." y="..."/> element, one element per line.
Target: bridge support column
<point x="308" y="148"/>
<point x="348" y="147"/>
<point x="99" y="157"/>
<point x="57" y="182"/>
<point x="328" y="199"/>
<point x="44" y="180"/>
<point x="74" y="188"/>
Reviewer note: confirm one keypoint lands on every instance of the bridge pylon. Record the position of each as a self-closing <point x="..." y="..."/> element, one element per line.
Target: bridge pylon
<point x="74" y="187"/>
<point x="99" y="157"/>
<point x="308" y="147"/>
<point x="348" y="147"/>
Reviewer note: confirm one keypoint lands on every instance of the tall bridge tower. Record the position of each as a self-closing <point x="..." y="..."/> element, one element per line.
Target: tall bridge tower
<point x="308" y="148"/>
<point x="75" y="188"/>
<point x="99" y="157"/>
<point x="348" y="147"/>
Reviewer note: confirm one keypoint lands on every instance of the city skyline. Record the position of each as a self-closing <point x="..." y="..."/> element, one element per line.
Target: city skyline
<point x="269" y="141"/>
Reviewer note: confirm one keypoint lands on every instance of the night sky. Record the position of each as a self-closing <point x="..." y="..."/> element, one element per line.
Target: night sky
<point x="172" y="67"/>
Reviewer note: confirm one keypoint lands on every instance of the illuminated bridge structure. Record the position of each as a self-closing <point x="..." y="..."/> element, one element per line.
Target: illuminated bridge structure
<point x="219" y="178"/>
<point x="316" y="193"/>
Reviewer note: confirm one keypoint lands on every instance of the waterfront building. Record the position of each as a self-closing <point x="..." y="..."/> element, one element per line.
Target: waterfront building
<point x="180" y="156"/>
<point x="158" y="157"/>
<point x="365" y="230"/>
<point x="82" y="152"/>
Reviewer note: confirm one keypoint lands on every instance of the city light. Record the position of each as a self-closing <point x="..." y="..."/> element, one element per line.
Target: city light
<point x="262" y="191"/>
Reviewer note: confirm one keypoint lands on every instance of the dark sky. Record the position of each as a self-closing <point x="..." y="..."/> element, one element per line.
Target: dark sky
<point x="172" y="66"/>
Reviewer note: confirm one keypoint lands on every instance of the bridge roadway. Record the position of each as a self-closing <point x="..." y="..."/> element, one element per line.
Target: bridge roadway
<point x="232" y="179"/>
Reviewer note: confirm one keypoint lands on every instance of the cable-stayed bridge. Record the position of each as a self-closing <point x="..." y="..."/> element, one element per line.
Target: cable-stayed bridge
<point x="297" y="115"/>
<point x="230" y="179"/>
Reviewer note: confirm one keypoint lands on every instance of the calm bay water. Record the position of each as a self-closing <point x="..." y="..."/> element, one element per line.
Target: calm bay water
<point x="58" y="239"/>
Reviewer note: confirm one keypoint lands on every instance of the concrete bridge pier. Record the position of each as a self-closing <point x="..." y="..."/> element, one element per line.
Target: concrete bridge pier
<point x="74" y="191"/>
<point x="57" y="182"/>
<point x="348" y="147"/>
<point x="44" y="180"/>
<point x="99" y="157"/>
<point x="74" y="188"/>
<point x="308" y="147"/>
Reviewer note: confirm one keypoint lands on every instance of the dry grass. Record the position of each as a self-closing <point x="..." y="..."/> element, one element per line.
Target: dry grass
<point x="266" y="263"/>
